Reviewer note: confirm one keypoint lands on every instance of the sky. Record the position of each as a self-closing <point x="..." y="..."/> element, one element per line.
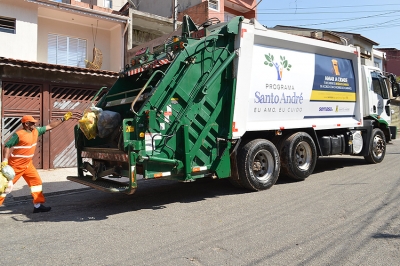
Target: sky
<point x="373" y="19"/>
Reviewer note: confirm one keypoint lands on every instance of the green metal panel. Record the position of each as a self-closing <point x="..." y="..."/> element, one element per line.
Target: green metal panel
<point x="193" y="106"/>
<point x="176" y="120"/>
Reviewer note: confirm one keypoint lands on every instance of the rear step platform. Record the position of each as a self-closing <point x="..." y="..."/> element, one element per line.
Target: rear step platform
<point x="101" y="184"/>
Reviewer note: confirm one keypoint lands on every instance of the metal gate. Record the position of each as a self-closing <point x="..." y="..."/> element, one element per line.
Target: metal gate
<point x="21" y="99"/>
<point x="46" y="102"/>
<point x="66" y="99"/>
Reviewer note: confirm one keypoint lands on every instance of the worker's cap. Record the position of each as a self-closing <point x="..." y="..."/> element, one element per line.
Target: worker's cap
<point x="28" y="118"/>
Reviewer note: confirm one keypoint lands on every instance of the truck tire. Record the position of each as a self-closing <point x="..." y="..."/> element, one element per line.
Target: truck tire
<point x="258" y="165"/>
<point x="298" y="156"/>
<point x="377" y="147"/>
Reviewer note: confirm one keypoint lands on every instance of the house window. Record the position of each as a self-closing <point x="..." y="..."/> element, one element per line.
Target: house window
<point x="7" y="25"/>
<point x="108" y="3"/>
<point x="64" y="50"/>
<point x="214" y="4"/>
<point x="228" y="16"/>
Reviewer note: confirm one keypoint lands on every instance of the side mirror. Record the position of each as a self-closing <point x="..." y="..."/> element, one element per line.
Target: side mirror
<point x="396" y="89"/>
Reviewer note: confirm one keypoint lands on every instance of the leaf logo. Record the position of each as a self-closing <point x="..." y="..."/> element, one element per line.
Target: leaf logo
<point x="284" y="64"/>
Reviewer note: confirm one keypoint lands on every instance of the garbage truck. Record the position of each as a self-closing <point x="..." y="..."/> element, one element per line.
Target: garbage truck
<point x="235" y="100"/>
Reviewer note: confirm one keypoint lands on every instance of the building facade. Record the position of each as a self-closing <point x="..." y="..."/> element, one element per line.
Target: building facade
<point x="392" y="62"/>
<point x="199" y="10"/>
<point x="345" y="38"/>
<point x="62" y="33"/>
<point x="54" y="57"/>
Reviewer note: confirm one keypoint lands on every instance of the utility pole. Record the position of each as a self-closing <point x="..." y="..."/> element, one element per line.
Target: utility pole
<point x="175" y="13"/>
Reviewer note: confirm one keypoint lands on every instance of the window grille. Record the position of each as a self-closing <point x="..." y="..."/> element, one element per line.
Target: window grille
<point x="7" y="25"/>
<point x="214" y="4"/>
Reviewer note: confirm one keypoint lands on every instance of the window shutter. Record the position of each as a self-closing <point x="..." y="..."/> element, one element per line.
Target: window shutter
<point x="72" y="52"/>
<point x="68" y="51"/>
<point x="81" y="53"/>
<point x="52" y="49"/>
<point x="62" y="50"/>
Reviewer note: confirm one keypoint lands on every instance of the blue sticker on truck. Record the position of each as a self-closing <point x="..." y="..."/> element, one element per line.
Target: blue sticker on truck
<point x="333" y="80"/>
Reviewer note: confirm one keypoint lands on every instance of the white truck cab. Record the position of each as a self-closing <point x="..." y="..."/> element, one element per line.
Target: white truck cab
<point x="377" y="100"/>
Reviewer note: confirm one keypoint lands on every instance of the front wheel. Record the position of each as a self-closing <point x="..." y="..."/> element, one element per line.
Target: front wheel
<point x="258" y="165"/>
<point x="377" y="147"/>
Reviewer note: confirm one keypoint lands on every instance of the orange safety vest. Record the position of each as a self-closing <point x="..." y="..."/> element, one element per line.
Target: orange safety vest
<point x="25" y="149"/>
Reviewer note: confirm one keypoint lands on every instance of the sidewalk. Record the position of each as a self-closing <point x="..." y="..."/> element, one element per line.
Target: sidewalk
<point x="54" y="182"/>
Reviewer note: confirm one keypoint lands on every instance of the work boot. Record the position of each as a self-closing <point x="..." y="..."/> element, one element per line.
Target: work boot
<point x="41" y="208"/>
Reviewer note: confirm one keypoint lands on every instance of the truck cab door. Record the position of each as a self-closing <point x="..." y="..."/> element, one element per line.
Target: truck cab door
<point x="379" y="95"/>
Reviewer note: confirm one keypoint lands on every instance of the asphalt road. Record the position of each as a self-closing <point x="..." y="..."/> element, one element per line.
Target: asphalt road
<point x="346" y="213"/>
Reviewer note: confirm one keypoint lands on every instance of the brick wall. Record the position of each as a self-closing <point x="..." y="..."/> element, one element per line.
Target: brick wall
<point x="198" y="13"/>
<point x="392" y="62"/>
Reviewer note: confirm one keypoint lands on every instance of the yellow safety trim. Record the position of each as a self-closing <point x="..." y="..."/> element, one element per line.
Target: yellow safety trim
<point x="3" y="195"/>
<point x="36" y="188"/>
<point x="333" y="96"/>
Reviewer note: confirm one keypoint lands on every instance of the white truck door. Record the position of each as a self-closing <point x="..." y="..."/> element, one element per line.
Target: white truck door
<point x="379" y="96"/>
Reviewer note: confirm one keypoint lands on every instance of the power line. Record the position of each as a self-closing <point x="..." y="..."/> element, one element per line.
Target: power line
<point x="370" y="27"/>
<point x="363" y="27"/>
<point x="331" y="12"/>
<point x="377" y="26"/>
<point x="350" y="19"/>
<point x="308" y="19"/>
<point x="391" y="43"/>
<point x="323" y="7"/>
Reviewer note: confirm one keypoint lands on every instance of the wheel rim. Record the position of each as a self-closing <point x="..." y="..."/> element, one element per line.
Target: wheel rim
<point x="263" y="165"/>
<point x="303" y="155"/>
<point x="378" y="146"/>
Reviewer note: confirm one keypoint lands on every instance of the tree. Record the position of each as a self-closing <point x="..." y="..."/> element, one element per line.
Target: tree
<point x="284" y="64"/>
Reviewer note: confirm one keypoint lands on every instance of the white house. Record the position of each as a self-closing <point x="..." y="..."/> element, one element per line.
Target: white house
<point x="62" y="33"/>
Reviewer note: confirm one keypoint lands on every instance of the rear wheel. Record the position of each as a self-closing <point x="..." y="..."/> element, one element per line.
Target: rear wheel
<point x="377" y="147"/>
<point x="298" y="156"/>
<point x="258" y="165"/>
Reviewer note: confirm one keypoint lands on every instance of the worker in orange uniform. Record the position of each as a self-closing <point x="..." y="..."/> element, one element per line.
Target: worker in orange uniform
<point x="24" y="143"/>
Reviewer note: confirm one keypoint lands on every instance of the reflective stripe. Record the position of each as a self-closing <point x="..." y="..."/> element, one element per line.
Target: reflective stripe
<point x="156" y="175"/>
<point x="199" y="168"/>
<point x="22" y="156"/>
<point x="24" y="147"/>
<point x="3" y="195"/>
<point x="36" y="188"/>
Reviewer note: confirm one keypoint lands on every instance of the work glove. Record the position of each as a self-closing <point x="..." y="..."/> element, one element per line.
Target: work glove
<point x="67" y="116"/>
<point x="4" y="163"/>
<point x="9" y="188"/>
